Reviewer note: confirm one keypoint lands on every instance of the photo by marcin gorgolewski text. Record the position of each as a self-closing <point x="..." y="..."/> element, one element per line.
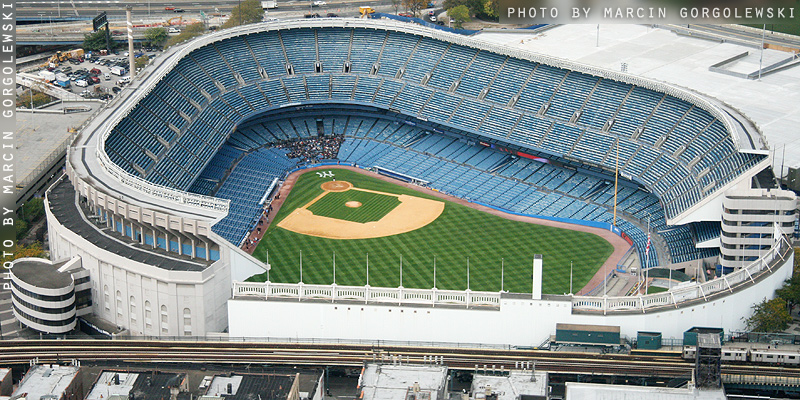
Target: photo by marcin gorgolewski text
<point x="8" y="30"/>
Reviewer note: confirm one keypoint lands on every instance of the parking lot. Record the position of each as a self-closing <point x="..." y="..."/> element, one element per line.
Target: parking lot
<point x="93" y="77"/>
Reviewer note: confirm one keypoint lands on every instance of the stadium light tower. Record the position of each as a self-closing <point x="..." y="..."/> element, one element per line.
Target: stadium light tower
<point x="131" y="57"/>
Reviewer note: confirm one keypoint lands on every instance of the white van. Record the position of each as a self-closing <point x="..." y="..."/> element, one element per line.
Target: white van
<point x="124" y="80"/>
<point x="81" y="83"/>
<point x="174" y="30"/>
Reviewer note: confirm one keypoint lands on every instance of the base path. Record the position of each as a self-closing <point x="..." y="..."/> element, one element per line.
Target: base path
<point x="620" y="245"/>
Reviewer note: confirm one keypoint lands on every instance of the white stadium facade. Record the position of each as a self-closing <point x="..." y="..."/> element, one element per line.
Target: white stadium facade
<point x="164" y="258"/>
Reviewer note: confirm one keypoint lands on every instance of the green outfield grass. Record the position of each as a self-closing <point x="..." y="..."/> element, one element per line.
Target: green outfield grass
<point x="458" y="233"/>
<point x="373" y="206"/>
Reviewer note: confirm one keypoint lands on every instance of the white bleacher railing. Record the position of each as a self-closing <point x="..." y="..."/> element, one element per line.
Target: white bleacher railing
<point x="366" y="294"/>
<point x="685" y="294"/>
<point x="170" y="59"/>
<point x="675" y="298"/>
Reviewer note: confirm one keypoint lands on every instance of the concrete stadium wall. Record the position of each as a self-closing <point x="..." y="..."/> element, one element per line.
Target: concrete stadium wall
<point x="204" y="293"/>
<point x="518" y="322"/>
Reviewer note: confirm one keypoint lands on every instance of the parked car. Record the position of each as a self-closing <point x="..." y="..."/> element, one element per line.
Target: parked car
<point x="116" y="89"/>
<point x="81" y="83"/>
<point x="174" y="30"/>
<point x="95" y="71"/>
<point x="95" y="79"/>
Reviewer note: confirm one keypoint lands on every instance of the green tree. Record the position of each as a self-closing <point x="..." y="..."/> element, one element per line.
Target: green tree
<point x="248" y="12"/>
<point x="189" y="32"/>
<point x="97" y="41"/>
<point x="414" y="6"/>
<point x="142" y="61"/>
<point x="156" y="36"/>
<point x="32" y="250"/>
<point x="769" y="316"/>
<point x="790" y="291"/>
<point x="33" y="209"/>
<point x="491" y="10"/>
<point x="448" y="4"/>
<point x="459" y="15"/>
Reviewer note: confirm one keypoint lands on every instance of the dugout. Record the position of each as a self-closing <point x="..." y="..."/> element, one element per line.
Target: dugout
<point x="690" y="336"/>
<point x="648" y="340"/>
<point x="587" y="334"/>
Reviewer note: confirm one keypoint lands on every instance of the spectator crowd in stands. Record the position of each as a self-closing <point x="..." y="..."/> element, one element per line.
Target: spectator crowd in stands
<point x="314" y="149"/>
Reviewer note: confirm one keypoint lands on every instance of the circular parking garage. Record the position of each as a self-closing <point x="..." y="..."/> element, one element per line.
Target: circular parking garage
<point x="43" y="297"/>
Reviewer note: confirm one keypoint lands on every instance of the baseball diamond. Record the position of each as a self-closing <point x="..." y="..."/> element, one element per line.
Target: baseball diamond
<point x="499" y="251"/>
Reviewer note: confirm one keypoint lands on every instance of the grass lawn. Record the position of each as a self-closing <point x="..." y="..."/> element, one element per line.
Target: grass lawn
<point x="460" y="232"/>
<point x="655" y="289"/>
<point x="373" y="206"/>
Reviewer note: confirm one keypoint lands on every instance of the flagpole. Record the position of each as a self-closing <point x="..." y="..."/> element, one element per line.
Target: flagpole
<point x="301" y="266"/>
<point x="401" y="270"/>
<point x="269" y="267"/>
<point x="502" y="274"/>
<point x="570" y="277"/>
<point x="434" y="271"/>
<point x="647" y="256"/>
<point x="467" y="273"/>
<point x="367" y="269"/>
<point x="334" y="267"/>
<point x="616" y="183"/>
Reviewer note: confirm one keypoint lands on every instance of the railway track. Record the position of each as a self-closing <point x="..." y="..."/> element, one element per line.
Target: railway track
<point x="319" y="354"/>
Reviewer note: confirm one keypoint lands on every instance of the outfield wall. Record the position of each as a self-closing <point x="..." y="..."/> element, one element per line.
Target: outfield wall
<point x="518" y="321"/>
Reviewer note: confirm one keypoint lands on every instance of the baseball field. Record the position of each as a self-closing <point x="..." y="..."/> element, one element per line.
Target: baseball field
<point x="356" y="219"/>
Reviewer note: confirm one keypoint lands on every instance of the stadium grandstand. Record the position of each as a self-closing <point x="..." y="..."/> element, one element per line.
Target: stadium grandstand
<point x="180" y="165"/>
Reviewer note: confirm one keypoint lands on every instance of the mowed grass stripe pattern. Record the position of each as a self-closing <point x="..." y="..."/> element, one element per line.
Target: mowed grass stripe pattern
<point x="460" y="232"/>
<point x="373" y="207"/>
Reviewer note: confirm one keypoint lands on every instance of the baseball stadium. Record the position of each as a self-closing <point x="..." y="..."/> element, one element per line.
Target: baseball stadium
<point x="337" y="162"/>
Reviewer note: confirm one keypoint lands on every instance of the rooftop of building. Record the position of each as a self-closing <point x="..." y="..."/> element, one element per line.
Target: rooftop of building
<point x="397" y="382"/>
<point x="111" y="383"/>
<point x="63" y="205"/>
<point x="587" y="391"/>
<point x="39" y="136"/>
<point x="41" y="274"/>
<point x="513" y="385"/>
<point x="46" y="380"/>
<point x="249" y="387"/>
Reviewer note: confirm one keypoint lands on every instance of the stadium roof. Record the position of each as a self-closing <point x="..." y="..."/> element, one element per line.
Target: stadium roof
<point x="660" y="54"/>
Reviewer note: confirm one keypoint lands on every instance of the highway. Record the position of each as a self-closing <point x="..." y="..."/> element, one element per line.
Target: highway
<point x="321" y="354"/>
<point x="52" y="10"/>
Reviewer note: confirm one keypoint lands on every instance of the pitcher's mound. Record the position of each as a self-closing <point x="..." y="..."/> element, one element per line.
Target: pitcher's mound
<point x="336" y="186"/>
<point x="353" y="204"/>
